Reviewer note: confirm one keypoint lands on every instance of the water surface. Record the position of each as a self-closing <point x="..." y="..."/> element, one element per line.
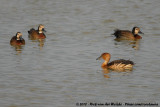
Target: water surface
<point x="64" y="70"/>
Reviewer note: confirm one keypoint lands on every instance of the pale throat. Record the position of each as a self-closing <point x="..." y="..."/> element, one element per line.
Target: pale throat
<point x="104" y="63"/>
<point x="18" y="38"/>
<point x="136" y="31"/>
<point x="40" y="31"/>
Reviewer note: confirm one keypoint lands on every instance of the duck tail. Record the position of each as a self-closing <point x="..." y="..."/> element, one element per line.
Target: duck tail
<point x="130" y="62"/>
<point x="29" y="32"/>
<point x="116" y="33"/>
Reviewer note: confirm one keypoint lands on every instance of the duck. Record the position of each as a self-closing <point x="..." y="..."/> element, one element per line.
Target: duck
<point x="17" y="39"/>
<point x="37" y="34"/>
<point x="119" y="65"/>
<point x="128" y="35"/>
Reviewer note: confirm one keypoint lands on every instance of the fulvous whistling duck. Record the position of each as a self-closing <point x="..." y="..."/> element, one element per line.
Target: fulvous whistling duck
<point x="17" y="39"/>
<point x="126" y="34"/>
<point x="120" y="64"/>
<point x="37" y="34"/>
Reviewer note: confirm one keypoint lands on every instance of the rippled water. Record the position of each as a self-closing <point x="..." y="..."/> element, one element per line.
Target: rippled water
<point x="64" y="70"/>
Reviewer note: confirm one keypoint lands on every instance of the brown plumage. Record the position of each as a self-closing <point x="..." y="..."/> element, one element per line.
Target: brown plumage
<point x="120" y="64"/>
<point x="17" y="39"/>
<point x="37" y="34"/>
<point x="126" y="34"/>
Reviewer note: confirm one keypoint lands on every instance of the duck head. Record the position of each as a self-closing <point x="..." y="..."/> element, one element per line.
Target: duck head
<point x="19" y="36"/>
<point x="136" y="30"/>
<point x="41" y="28"/>
<point x="106" y="57"/>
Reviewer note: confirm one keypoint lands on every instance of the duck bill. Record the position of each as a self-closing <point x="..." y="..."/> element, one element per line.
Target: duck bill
<point x="99" y="58"/>
<point x="44" y="30"/>
<point x="140" y="32"/>
<point x="20" y="38"/>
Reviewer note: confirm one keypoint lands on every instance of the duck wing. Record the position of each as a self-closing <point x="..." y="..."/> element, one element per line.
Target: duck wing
<point x="120" y="61"/>
<point x="123" y="33"/>
<point x="14" y="38"/>
<point x="31" y="30"/>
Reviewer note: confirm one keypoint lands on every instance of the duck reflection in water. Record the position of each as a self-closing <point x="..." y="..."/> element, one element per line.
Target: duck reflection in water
<point x="19" y="48"/>
<point x="41" y="43"/>
<point x="134" y="44"/>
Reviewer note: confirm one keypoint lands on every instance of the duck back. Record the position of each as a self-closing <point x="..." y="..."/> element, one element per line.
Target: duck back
<point x="31" y="31"/>
<point x="33" y="34"/>
<point x="120" y="64"/>
<point x="123" y="34"/>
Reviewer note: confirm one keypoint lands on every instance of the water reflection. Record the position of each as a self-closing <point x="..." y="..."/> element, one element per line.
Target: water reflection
<point x="106" y="71"/>
<point x="40" y="42"/>
<point x="18" y="48"/>
<point x="134" y="44"/>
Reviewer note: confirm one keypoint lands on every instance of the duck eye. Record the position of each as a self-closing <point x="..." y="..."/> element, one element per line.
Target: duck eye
<point x="137" y="29"/>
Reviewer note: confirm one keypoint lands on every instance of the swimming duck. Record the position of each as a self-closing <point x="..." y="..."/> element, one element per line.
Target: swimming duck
<point x="126" y="34"/>
<point x="120" y="64"/>
<point x="17" y="39"/>
<point x="37" y="34"/>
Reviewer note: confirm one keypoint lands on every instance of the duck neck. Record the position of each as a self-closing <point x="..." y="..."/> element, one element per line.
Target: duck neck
<point x="133" y="33"/>
<point x="40" y="31"/>
<point x="104" y="64"/>
<point x="18" y="38"/>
